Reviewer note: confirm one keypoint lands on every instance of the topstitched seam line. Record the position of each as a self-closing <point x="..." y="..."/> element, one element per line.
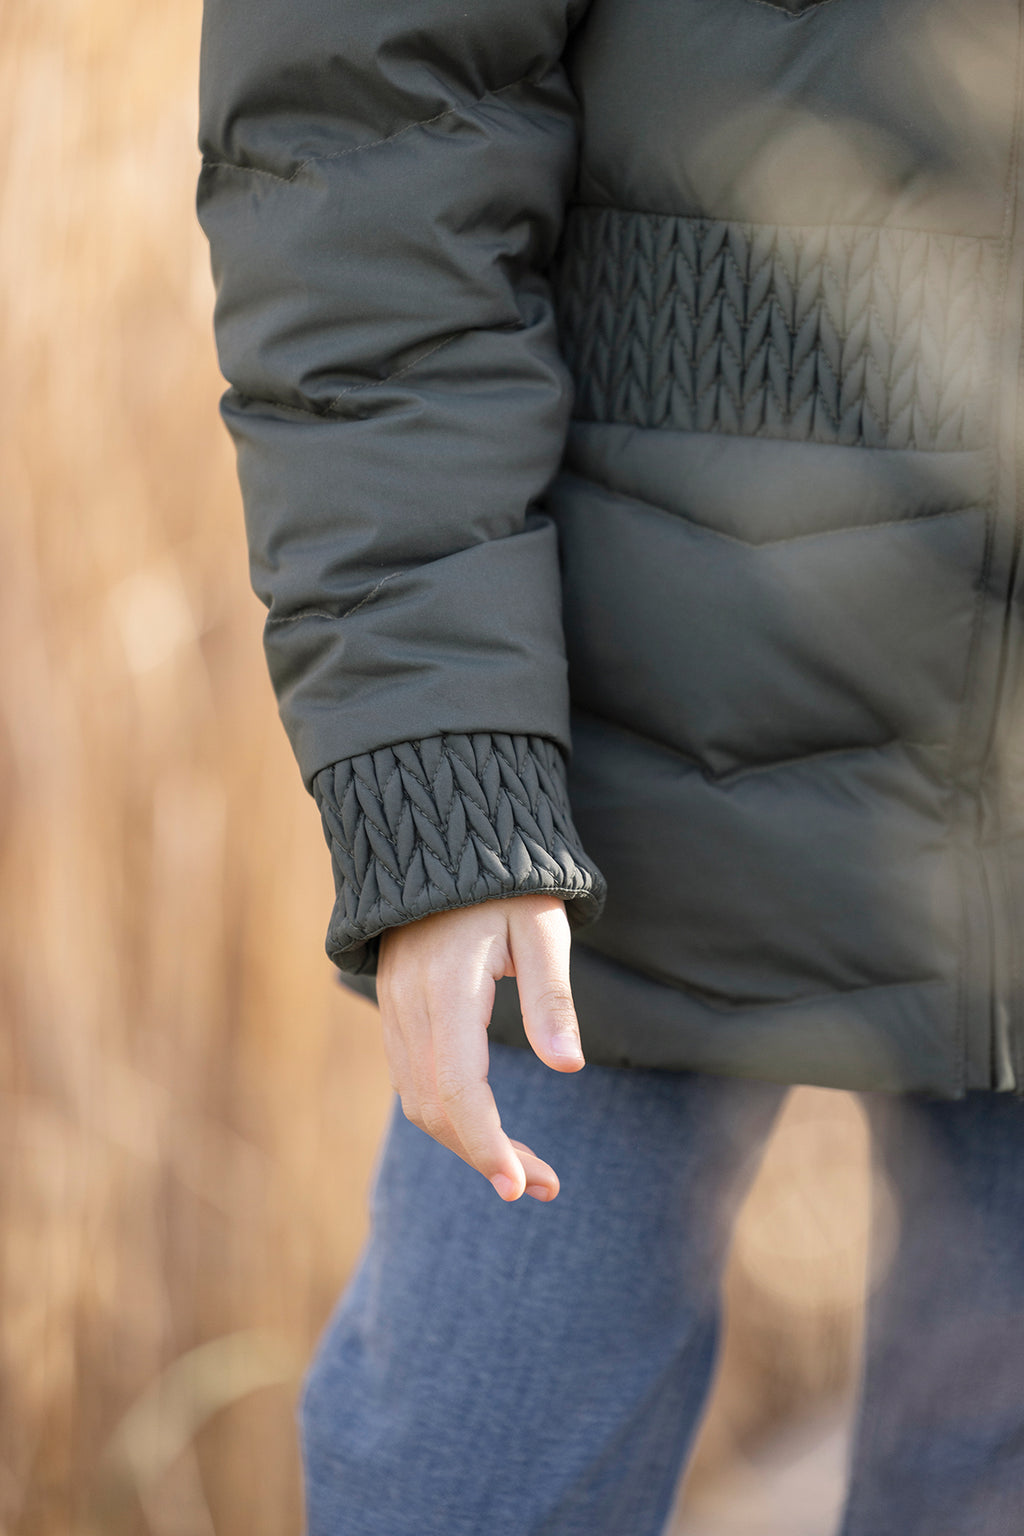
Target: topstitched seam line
<point x="737" y="775"/>
<point x="721" y="1003"/>
<point x="614" y="210"/>
<point x="791" y="538"/>
<point x="472" y="105"/>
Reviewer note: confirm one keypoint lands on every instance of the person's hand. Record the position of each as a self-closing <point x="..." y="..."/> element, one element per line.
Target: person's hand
<point x="435" y="987"/>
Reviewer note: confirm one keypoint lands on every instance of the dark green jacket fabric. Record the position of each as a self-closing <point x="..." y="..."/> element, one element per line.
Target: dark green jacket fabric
<point x="626" y="397"/>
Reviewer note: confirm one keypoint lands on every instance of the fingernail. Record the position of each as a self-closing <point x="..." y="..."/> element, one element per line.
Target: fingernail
<point x="539" y="1191"/>
<point x="566" y="1048"/>
<point x="506" y="1187"/>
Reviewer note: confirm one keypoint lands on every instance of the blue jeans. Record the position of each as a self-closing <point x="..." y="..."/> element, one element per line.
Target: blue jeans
<point x="540" y="1370"/>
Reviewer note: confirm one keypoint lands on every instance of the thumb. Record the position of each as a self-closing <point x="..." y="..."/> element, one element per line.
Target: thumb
<point x="539" y="942"/>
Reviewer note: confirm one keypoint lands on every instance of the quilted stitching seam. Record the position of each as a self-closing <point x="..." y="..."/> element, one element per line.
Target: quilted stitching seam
<point x="793" y="9"/>
<point x="831" y="333"/>
<point x="473" y="104"/>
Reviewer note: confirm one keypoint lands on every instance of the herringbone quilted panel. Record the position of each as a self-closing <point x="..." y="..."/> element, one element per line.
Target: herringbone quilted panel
<point x="834" y="334"/>
<point x="427" y="826"/>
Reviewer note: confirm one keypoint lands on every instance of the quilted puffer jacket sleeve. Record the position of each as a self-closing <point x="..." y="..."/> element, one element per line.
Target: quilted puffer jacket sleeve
<point x="382" y="188"/>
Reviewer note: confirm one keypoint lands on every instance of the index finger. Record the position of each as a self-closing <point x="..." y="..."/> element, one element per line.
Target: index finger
<point x="458" y="1028"/>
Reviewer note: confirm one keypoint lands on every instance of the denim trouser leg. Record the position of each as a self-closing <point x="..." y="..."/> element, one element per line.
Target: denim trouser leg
<point x="939" y="1449"/>
<point x="528" y="1369"/>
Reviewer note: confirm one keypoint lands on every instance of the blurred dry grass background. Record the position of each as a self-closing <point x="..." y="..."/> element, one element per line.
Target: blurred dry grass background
<point x="190" y="1104"/>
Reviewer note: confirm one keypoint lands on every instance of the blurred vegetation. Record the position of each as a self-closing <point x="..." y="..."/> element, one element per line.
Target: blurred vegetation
<point x="190" y="1104"/>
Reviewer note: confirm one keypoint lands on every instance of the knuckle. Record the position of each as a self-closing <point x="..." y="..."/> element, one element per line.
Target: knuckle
<point x="397" y="987"/>
<point x="557" y="1003"/>
<point x="434" y="1120"/>
<point x="453" y="1091"/>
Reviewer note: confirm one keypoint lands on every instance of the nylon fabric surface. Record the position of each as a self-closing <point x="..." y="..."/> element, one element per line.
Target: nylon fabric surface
<point x="627" y="406"/>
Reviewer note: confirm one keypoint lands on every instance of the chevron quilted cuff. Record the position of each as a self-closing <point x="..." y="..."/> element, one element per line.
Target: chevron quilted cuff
<point x="446" y="822"/>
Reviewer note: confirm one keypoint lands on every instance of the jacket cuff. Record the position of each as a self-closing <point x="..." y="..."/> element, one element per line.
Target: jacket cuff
<point x="446" y="822"/>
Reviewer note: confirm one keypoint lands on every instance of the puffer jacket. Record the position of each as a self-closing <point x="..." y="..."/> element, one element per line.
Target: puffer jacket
<point x="627" y="399"/>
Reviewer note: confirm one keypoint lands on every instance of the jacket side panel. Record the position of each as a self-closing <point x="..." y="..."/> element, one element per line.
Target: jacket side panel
<point x="1001" y="805"/>
<point x="783" y="525"/>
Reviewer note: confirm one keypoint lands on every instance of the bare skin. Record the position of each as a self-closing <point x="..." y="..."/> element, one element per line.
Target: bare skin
<point x="435" y="986"/>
